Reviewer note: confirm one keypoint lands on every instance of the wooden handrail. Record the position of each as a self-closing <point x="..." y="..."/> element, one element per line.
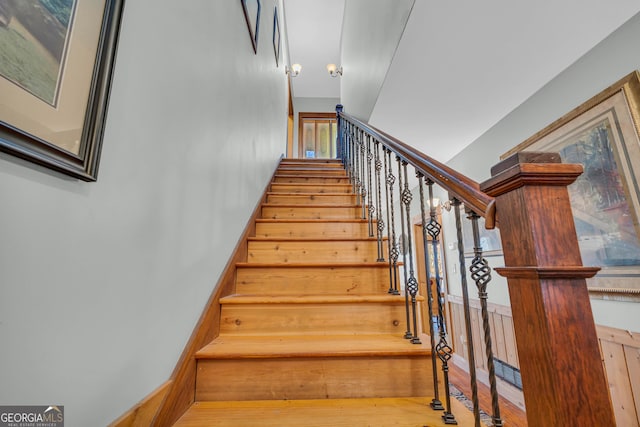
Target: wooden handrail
<point x="462" y="187"/>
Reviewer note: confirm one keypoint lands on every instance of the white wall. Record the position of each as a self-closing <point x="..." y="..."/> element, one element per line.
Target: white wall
<point x="310" y="105"/>
<point x="102" y="283"/>
<point x="606" y="63"/>
<point x="371" y="30"/>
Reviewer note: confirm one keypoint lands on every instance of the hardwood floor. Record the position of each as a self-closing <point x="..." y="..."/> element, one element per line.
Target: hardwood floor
<point x="512" y="416"/>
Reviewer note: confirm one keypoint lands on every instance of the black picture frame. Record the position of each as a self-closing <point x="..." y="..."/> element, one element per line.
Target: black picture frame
<point x="83" y="164"/>
<point x="251" y="9"/>
<point x="276" y="36"/>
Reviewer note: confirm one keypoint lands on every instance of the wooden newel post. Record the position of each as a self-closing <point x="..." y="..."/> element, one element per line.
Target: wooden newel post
<point x="562" y="373"/>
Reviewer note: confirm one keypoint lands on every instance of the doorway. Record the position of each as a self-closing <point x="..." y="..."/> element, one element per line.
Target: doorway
<point x="317" y="136"/>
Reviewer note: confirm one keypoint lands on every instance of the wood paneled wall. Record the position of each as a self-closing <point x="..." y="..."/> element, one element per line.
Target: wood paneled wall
<point x="620" y="353"/>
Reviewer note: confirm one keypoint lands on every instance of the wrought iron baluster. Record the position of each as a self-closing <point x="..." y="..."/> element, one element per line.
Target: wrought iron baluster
<point x="407" y="333"/>
<point x="371" y="207"/>
<point x="412" y="283"/>
<point x="391" y="229"/>
<point x="340" y="139"/>
<point x="356" y="155"/>
<point x="379" y="221"/>
<point x="363" y="176"/>
<point x="467" y="315"/>
<point x="428" y="229"/>
<point x="481" y="274"/>
<point x="350" y="168"/>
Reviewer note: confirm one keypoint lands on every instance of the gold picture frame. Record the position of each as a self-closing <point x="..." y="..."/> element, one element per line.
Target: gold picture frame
<point x="603" y="134"/>
<point x="59" y="127"/>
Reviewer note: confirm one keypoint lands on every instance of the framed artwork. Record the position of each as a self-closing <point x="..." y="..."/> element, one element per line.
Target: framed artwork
<point x="603" y="136"/>
<point x="55" y="77"/>
<point x="251" y="10"/>
<point x="276" y="35"/>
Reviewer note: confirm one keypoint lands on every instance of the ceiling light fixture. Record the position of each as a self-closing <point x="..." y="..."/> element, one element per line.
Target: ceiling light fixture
<point x="294" y="70"/>
<point x="334" y="70"/>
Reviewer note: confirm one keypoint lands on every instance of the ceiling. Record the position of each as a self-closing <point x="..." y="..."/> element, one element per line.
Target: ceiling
<point x="313" y="31"/>
<point x="459" y="67"/>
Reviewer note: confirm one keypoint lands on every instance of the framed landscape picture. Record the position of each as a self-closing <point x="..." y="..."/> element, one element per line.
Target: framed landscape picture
<point x="603" y="136"/>
<point x="55" y="76"/>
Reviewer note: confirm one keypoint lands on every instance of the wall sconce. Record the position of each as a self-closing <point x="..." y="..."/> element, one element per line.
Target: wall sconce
<point x="334" y="70"/>
<point x="294" y="70"/>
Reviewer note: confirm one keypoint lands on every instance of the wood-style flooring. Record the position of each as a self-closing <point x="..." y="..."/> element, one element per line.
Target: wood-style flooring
<point x="512" y="416"/>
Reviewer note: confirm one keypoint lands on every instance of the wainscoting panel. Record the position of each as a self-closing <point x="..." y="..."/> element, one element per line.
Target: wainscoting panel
<point x="620" y="354"/>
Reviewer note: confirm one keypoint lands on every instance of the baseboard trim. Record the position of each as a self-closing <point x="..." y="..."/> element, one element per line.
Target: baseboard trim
<point x="505" y="389"/>
<point x="181" y="393"/>
<point x="142" y="413"/>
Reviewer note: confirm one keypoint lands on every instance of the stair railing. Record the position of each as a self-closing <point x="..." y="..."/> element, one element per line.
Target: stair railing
<point x="536" y="239"/>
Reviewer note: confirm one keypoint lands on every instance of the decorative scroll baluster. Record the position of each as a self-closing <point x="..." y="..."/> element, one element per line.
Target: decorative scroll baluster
<point x="481" y="274"/>
<point x="435" y="404"/>
<point x="403" y="241"/>
<point x="412" y="283"/>
<point x="379" y="221"/>
<point x="467" y="315"/>
<point x="356" y="155"/>
<point x="352" y="165"/>
<point x="372" y="208"/>
<point x="391" y="229"/>
<point x="363" y="176"/>
<point x="444" y="350"/>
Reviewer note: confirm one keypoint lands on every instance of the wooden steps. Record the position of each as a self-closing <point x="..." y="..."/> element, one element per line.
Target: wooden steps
<point x="323" y="314"/>
<point x="306" y="187"/>
<point x="306" y="279"/>
<point x="373" y="412"/>
<point x="312" y="228"/>
<point x="348" y="211"/>
<point x="310" y="179"/>
<point x="311" y="198"/>
<point x="310" y="321"/>
<point x="286" y="250"/>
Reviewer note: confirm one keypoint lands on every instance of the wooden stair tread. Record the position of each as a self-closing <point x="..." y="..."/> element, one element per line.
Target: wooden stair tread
<point x="313" y="299"/>
<point x="312" y="239"/>
<point x="319" y="175"/>
<point x="307" y="184"/>
<point x="384" y="264"/>
<point x="364" y="412"/>
<point x="318" y="205"/>
<point x="290" y="193"/>
<point x="310" y="220"/>
<point x="340" y="345"/>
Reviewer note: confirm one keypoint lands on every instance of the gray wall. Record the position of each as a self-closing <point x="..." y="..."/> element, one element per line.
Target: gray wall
<point x="102" y="283"/>
<point x="606" y="63"/>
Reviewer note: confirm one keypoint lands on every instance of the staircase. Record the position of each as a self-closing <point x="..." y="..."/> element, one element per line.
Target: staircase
<point x="311" y="337"/>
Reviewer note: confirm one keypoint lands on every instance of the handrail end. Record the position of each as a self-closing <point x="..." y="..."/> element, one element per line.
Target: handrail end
<point x="490" y="215"/>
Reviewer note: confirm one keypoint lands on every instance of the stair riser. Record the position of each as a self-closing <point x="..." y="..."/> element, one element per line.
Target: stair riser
<point x="311" y="199"/>
<point x="306" y="164"/>
<point x="312" y="188"/>
<point x="309" y="378"/>
<point x="313" y="229"/>
<point x="311" y="212"/>
<point x="312" y="281"/>
<point x="310" y="179"/>
<point x="313" y="318"/>
<point x="313" y="251"/>
<point x="312" y="172"/>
